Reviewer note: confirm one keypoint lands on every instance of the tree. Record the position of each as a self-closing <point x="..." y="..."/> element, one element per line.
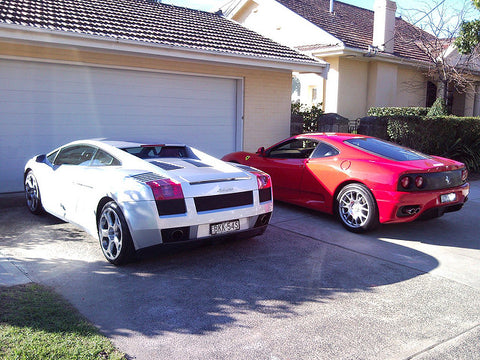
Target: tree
<point x="435" y="33"/>
<point x="469" y="36"/>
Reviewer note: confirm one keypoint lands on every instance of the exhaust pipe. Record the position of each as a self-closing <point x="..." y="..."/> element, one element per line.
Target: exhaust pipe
<point x="177" y="235"/>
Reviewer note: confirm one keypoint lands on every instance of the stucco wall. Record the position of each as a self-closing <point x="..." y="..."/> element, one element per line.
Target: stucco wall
<point x="411" y="87"/>
<point x="275" y="21"/>
<point x="353" y="87"/>
<point x="266" y="92"/>
<point x="332" y="86"/>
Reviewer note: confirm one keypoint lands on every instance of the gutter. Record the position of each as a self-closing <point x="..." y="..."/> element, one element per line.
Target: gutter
<point x="340" y="50"/>
<point x="74" y="41"/>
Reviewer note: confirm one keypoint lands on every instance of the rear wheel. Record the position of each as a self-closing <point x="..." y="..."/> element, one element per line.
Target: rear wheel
<point x="32" y="194"/>
<point x="357" y="209"/>
<point x="115" y="239"/>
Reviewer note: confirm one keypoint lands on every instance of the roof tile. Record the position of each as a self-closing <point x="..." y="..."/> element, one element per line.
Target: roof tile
<point x="353" y="26"/>
<point x="147" y="21"/>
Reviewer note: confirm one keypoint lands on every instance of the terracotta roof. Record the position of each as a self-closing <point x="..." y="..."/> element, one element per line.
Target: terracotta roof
<point x="353" y="26"/>
<point x="147" y="21"/>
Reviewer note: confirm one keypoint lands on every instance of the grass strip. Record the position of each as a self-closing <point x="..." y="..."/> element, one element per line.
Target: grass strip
<point x="37" y="323"/>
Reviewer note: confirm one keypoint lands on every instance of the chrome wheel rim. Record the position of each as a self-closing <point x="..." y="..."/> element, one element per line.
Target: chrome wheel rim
<point x="31" y="192"/>
<point x="354" y="208"/>
<point x="110" y="233"/>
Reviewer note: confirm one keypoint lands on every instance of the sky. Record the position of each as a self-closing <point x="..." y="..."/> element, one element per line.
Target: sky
<point x="408" y="9"/>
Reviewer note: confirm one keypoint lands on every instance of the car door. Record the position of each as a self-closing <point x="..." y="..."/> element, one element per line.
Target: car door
<point x="285" y="163"/>
<point x="93" y="182"/>
<point x="68" y="168"/>
<point x="320" y="178"/>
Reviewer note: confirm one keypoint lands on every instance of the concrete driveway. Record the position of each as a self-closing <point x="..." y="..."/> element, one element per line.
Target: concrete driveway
<point x="306" y="289"/>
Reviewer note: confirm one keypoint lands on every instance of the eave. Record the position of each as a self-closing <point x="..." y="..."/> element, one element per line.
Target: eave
<point x="343" y="51"/>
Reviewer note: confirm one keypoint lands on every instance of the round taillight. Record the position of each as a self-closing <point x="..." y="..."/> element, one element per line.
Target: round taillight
<point x="419" y="182"/>
<point x="405" y="182"/>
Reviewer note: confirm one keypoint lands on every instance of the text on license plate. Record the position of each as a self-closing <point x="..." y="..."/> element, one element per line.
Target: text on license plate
<point x="448" y="197"/>
<point x="224" y="227"/>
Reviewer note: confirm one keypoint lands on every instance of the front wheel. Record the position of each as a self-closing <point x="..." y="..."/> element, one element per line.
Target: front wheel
<point x="115" y="239"/>
<point x="32" y="194"/>
<point x="357" y="208"/>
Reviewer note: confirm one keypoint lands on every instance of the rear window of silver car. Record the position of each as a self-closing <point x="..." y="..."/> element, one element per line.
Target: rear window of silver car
<point x="159" y="151"/>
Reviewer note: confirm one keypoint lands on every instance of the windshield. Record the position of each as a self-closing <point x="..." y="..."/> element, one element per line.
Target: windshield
<point x="387" y="149"/>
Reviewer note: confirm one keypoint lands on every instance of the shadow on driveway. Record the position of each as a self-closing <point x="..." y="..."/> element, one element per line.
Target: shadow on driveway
<point x="202" y="289"/>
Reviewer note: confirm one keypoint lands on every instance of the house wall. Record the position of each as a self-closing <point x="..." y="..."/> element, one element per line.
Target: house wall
<point x="332" y="86"/>
<point x="275" y="21"/>
<point x="411" y="87"/>
<point x="384" y="84"/>
<point x="352" y="88"/>
<point x="267" y="93"/>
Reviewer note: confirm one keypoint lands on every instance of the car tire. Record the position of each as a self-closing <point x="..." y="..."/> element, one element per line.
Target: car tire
<point x="32" y="194"/>
<point x="357" y="208"/>
<point x="114" y="236"/>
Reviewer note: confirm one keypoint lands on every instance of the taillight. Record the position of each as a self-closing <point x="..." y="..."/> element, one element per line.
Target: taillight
<point x="464" y="175"/>
<point x="405" y="182"/>
<point x="419" y="181"/>
<point x="166" y="189"/>
<point x="263" y="180"/>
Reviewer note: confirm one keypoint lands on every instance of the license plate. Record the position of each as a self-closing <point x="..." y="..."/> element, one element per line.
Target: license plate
<point x="224" y="227"/>
<point x="448" y="198"/>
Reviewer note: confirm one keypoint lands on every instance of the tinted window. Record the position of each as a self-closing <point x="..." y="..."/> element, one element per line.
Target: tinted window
<point x="324" y="150"/>
<point x="386" y="149"/>
<point x="102" y="158"/>
<point x="75" y="155"/>
<point x="51" y="156"/>
<point x="293" y="149"/>
<point x="155" y="152"/>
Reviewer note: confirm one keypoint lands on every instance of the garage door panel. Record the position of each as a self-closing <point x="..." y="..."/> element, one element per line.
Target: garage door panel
<point x="45" y="105"/>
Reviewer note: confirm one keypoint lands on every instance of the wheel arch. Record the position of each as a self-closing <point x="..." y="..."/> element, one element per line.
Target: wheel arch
<point x="342" y="185"/>
<point x="101" y="204"/>
<point x="26" y="172"/>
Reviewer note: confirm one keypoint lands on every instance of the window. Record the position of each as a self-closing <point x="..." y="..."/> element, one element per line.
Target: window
<point x="102" y="158"/>
<point x="386" y="149"/>
<point x="51" y="157"/>
<point x="161" y="151"/>
<point x="75" y="155"/>
<point x="324" y="150"/>
<point x="431" y="93"/>
<point x="293" y="149"/>
<point x="314" y="94"/>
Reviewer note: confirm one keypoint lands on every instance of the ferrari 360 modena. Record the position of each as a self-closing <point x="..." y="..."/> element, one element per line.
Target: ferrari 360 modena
<point x="363" y="180"/>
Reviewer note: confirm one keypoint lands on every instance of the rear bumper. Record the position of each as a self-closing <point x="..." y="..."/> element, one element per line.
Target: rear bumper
<point x="397" y="207"/>
<point x="149" y="229"/>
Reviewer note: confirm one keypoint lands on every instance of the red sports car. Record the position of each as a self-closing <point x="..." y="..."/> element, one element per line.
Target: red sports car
<point x="362" y="179"/>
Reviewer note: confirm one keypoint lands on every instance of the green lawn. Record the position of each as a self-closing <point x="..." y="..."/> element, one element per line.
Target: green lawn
<point x="37" y="323"/>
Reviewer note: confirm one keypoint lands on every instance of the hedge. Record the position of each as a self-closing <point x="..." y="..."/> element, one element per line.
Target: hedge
<point x="453" y="137"/>
<point x="397" y="111"/>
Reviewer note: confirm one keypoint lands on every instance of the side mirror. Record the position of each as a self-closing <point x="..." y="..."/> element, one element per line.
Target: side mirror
<point x="261" y="151"/>
<point x="40" y="158"/>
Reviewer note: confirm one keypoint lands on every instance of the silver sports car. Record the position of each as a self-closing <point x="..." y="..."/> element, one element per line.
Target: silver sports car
<point x="135" y="195"/>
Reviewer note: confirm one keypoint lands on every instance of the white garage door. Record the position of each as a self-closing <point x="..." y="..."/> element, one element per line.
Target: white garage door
<point x="45" y="105"/>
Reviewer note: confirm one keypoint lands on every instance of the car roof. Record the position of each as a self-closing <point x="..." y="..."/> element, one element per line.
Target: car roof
<point x="332" y="136"/>
<point x="119" y="143"/>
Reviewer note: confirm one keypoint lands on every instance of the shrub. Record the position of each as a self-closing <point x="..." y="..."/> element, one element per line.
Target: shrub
<point x="309" y="115"/>
<point x="397" y="111"/>
<point x="453" y="137"/>
<point x="439" y="108"/>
